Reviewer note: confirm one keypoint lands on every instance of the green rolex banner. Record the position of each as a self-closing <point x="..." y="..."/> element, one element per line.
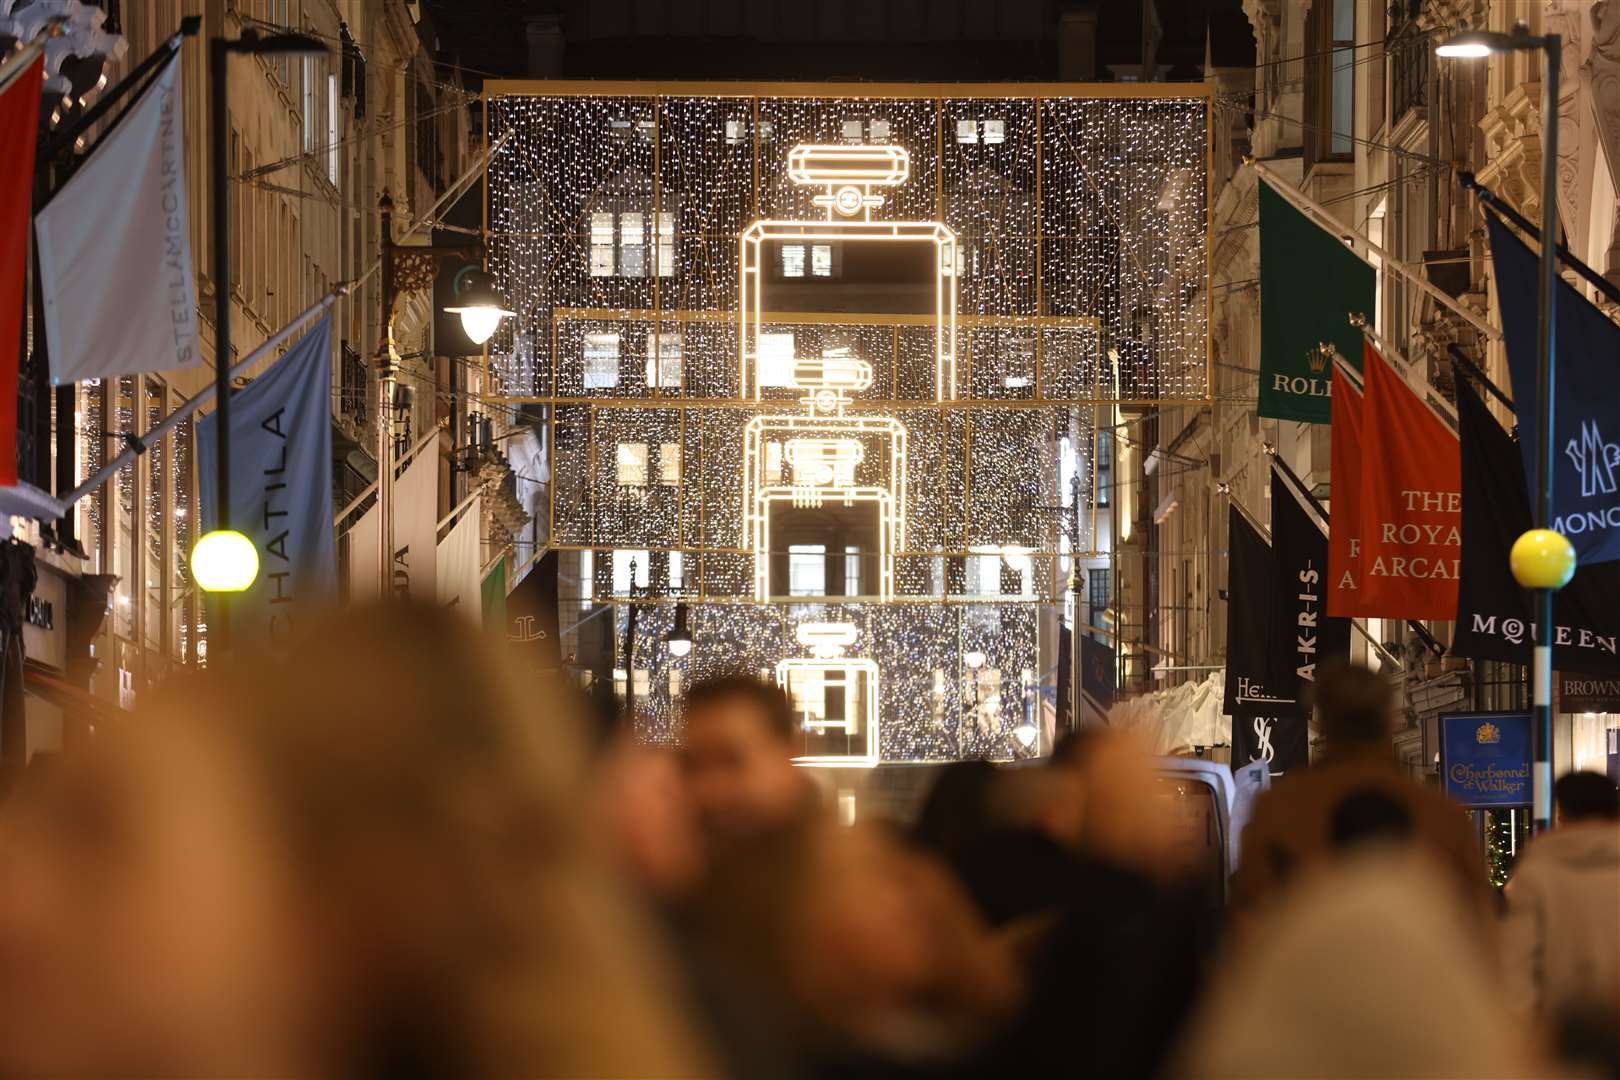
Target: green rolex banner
<point x="494" y="598"/>
<point x="1310" y="283"/>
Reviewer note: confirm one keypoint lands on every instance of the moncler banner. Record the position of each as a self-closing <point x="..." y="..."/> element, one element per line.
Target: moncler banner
<point x="1410" y="516"/>
<point x="1344" y="535"/>
<point x="115" y="249"/>
<point x="19" y="123"/>
<point x="1493" y="613"/>
<point x="1305" y="635"/>
<point x="1586" y="465"/>
<point x="1310" y="284"/>
<point x="281" y="490"/>
<point x="1250" y="579"/>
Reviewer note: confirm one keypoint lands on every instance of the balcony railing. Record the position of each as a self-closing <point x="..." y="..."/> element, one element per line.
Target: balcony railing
<point x="353" y="384"/>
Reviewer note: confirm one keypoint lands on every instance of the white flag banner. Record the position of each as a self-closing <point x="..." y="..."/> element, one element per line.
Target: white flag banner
<point x="115" y="250"/>
<point x="416" y="528"/>
<point x="459" y="563"/>
<point x="364" y="545"/>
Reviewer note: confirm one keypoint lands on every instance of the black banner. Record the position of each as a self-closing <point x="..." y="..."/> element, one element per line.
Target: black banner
<point x="1266" y="726"/>
<point x="1065" y="680"/>
<point x="1304" y="636"/>
<point x="1493" y="612"/>
<point x="1282" y="740"/>
<point x="531" y="617"/>
<point x="1097" y="671"/>
<point x="1250" y="576"/>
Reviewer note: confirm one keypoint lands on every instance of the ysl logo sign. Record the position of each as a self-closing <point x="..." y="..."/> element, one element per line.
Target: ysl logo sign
<point x="1263" y="726"/>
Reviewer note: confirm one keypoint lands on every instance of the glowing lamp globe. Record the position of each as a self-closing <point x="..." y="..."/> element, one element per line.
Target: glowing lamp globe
<point x="1542" y="559"/>
<point x="224" y="561"/>
<point x="481" y="308"/>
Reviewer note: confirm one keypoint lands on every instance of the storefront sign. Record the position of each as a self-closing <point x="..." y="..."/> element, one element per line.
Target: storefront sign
<point x="45" y="621"/>
<point x="1485" y="758"/>
<point x="1588" y="693"/>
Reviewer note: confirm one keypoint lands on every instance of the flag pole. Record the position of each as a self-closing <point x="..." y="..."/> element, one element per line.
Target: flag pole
<point x="1389" y="352"/>
<point x="1318" y="213"/>
<point x="1489" y="198"/>
<point x="139" y="444"/>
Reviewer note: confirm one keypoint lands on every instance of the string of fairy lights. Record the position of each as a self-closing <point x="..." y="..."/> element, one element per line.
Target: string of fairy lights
<point x="1080" y="281"/>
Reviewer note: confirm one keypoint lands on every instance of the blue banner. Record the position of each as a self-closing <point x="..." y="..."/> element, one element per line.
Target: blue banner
<point x="281" y="490"/>
<point x="1485" y="758"/>
<point x="1586" y="417"/>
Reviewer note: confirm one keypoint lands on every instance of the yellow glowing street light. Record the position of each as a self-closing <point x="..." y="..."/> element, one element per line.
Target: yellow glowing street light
<point x="481" y="308"/>
<point x="224" y="561"/>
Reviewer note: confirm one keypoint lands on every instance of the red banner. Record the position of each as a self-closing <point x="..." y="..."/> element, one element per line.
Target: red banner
<point x="19" y="124"/>
<point x="1410" y="516"/>
<point x="1344" y="528"/>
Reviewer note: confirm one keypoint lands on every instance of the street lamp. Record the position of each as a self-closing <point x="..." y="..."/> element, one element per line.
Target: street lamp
<point x="1542" y="560"/>
<point x="481" y="308"/>
<point x="679" y="641"/>
<point x="222" y="557"/>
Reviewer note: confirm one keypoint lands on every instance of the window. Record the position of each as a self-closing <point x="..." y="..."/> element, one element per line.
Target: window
<point x="630" y="566"/>
<point x="677" y="571"/>
<point x="852" y="571"/>
<point x="601" y="361"/>
<point x="800" y="259"/>
<point x="669" y="464"/>
<point x="967" y="131"/>
<point x="332" y="129"/>
<point x="821" y="260"/>
<point x="632" y="464"/>
<point x="601" y="245"/>
<point x="793" y="260"/>
<point x="663" y="360"/>
<point x="989" y="132"/>
<point x="807" y="570"/>
<point x="632" y="246"/>
<point x="311" y="104"/>
<point x="619" y="243"/>
<point x="1330" y="74"/>
<point x="1097" y="598"/>
<point x="775" y="360"/>
<point x="1105" y="466"/>
<point x="773" y="463"/>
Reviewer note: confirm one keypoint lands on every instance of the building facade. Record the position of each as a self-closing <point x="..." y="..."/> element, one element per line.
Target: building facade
<point x="1349" y="103"/>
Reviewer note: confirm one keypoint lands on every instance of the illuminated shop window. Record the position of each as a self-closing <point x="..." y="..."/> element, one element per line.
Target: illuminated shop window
<point x="601" y="245"/>
<point x="664" y="360"/>
<point x="807" y="570"/>
<point x="623" y="559"/>
<point x="632" y="464"/>
<point x="620" y="243"/>
<point x="601" y="361"/>
<point x="669" y="464"/>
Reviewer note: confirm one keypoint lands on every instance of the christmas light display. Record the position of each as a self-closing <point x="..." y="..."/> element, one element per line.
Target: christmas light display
<point x="884" y="307"/>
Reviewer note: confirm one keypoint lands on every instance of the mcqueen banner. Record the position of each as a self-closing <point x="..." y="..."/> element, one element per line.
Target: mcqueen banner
<point x="1493" y="612"/>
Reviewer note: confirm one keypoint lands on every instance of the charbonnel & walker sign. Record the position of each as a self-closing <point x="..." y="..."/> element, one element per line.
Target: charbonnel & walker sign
<point x="1485" y="758"/>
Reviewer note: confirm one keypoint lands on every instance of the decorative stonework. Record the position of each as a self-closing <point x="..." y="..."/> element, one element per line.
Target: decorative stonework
<point x="1512" y="130"/>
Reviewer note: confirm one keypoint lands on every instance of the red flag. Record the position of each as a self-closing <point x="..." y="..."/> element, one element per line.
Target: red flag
<point x="19" y="123"/>
<point x="1344" y="528"/>
<point x="1410" y="520"/>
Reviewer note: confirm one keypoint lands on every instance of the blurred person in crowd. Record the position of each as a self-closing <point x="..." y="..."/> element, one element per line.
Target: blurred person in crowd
<point x="1075" y="852"/>
<point x="1367" y="967"/>
<point x="738" y="756"/>
<point x="645" y="810"/>
<point x="1561" y="935"/>
<point x="1293" y="823"/>
<point x="956" y="809"/>
<point x="874" y="962"/>
<point x="370" y="859"/>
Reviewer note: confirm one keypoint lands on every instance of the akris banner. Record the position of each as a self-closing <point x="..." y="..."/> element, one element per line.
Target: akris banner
<point x="1266" y="726"/>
